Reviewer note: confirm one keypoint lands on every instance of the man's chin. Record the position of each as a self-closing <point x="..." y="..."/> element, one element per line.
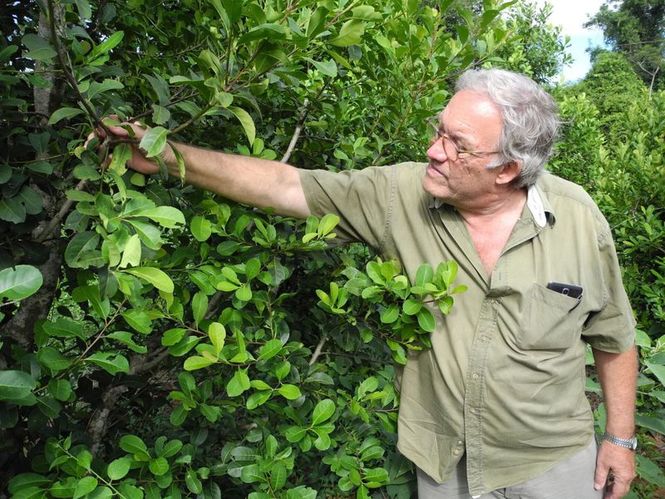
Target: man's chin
<point x="433" y="188"/>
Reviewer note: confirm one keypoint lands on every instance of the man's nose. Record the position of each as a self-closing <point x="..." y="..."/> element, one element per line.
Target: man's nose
<point x="436" y="151"/>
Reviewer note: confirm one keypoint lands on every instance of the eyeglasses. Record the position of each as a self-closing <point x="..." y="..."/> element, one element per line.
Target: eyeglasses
<point x="453" y="151"/>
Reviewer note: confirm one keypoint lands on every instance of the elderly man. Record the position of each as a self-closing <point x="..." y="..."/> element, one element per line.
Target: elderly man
<point x="497" y="407"/>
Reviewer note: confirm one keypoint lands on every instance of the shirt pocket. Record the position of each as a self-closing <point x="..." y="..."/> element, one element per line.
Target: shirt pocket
<point x="551" y="320"/>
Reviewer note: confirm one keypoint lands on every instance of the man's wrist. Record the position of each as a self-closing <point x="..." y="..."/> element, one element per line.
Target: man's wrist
<point x="626" y="443"/>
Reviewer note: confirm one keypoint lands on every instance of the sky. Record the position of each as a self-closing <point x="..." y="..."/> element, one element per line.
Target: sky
<point x="571" y="15"/>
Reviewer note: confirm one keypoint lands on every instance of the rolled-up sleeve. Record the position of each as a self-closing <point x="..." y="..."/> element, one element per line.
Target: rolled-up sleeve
<point x="612" y="328"/>
<point x="361" y="198"/>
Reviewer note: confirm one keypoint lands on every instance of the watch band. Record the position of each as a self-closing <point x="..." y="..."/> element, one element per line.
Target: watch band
<point x="628" y="443"/>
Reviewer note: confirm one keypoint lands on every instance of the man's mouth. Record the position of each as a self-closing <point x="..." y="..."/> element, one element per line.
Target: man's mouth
<point x="434" y="170"/>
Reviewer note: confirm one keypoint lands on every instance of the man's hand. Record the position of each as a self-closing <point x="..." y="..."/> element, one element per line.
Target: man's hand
<point x="615" y="469"/>
<point x="138" y="160"/>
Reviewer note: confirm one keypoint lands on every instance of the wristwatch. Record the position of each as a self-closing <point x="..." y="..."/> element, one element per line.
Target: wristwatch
<point x="628" y="443"/>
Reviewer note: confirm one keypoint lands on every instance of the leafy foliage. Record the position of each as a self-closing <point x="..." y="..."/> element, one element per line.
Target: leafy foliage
<point x="160" y="341"/>
<point x="613" y="144"/>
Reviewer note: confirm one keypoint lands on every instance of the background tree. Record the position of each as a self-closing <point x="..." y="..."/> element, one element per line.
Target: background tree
<point x="636" y="28"/>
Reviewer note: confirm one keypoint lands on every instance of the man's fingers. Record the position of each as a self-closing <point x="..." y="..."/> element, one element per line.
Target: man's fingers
<point x="600" y="478"/>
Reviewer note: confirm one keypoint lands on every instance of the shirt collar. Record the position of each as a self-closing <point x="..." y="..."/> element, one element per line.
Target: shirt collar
<point x="538" y="205"/>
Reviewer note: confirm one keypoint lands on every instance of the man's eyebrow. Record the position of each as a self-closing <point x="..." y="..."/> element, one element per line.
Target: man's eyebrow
<point x="453" y="135"/>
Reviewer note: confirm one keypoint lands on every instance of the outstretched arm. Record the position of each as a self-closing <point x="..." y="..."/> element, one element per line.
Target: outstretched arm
<point x="618" y="377"/>
<point x="253" y="181"/>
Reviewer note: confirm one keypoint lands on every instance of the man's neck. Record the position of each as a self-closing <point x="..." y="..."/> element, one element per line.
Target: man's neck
<point x="501" y="205"/>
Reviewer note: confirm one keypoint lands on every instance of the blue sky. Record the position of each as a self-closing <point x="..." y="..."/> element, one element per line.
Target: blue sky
<point x="571" y="15"/>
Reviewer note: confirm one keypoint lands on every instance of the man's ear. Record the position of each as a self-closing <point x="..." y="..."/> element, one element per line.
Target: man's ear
<point x="508" y="172"/>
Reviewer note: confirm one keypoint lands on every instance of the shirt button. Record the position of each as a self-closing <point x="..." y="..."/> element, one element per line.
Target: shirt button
<point x="457" y="452"/>
<point x="475" y="376"/>
<point x="460" y="443"/>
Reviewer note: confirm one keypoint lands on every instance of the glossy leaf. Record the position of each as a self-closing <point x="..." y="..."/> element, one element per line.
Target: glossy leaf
<point x="19" y="282"/>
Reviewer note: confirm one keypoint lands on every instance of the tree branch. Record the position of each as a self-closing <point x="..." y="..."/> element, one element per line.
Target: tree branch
<point x="319" y="348"/>
<point x="57" y="219"/>
<point x="296" y="133"/>
<point x="67" y="69"/>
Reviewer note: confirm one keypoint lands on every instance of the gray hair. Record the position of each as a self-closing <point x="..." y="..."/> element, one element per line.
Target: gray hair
<point x="530" y="120"/>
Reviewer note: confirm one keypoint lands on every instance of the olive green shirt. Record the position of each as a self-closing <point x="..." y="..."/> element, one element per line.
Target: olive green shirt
<point x="504" y="381"/>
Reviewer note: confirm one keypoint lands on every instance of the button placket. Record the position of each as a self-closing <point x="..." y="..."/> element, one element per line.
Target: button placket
<point x="474" y="395"/>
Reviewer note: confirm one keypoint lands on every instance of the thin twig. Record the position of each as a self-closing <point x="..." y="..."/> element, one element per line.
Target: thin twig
<point x="57" y="219"/>
<point x="296" y="133"/>
<point x="319" y="348"/>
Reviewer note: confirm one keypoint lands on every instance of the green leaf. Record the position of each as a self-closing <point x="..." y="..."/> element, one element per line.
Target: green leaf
<point x="112" y="363"/>
<point x="154" y="141"/>
<point x="197" y="362"/>
<point x="650" y="471"/>
<point x="157" y="277"/>
<point x="135" y="446"/>
<point x="158" y="466"/>
<point x="160" y="114"/>
<point x="52" y="359"/>
<point x="81" y="252"/>
<point x="106" y="46"/>
<point x="257" y="399"/>
<point x="270" y="349"/>
<point x="43" y="167"/>
<point x="411" y="306"/>
<point x="99" y="88"/>
<point x="121" y="154"/>
<point x="277" y="476"/>
<point x="15" y="385"/>
<point x="150" y="235"/>
<point x="238" y="384"/>
<point x="651" y="423"/>
<point x="301" y="492"/>
<point x="84" y="486"/>
<point x="270" y="31"/>
<point x="326" y="68"/>
<point x="138" y="320"/>
<point x="64" y="113"/>
<point x="350" y="34"/>
<point x="125" y="338"/>
<point x="131" y="254"/>
<point x="424" y="274"/>
<point x="199" y="306"/>
<point x="166" y="216"/>
<point x="657" y="369"/>
<point x="244" y="292"/>
<point x="289" y="392"/>
<point x="426" y="320"/>
<point x="40" y="49"/>
<point x="323" y="411"/>
<point x="295" y="433"/>
<point x="12" y="210"/>
<point x="85" y="12"/>
<point x="390" y="314"/>
<point x="24" y="481"/>
<point x="118" y="468"/>
<point x="192" y="482"/>
<point x="217" y="335"/>
<point x="19" y="282"/>
<point x="173" y="336"/>
<point x="327" y="224"/>
<point x="246" y="121"/>
<point x="201" y="228"/>
<point x="61" y="389"/>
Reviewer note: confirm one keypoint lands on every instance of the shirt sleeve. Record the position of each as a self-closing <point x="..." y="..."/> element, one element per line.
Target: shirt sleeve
<point x="611" y="329"/>
<point x="361" y="198"/>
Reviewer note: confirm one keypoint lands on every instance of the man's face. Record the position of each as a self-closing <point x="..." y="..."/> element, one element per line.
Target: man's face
<point x="473" y="123"/>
